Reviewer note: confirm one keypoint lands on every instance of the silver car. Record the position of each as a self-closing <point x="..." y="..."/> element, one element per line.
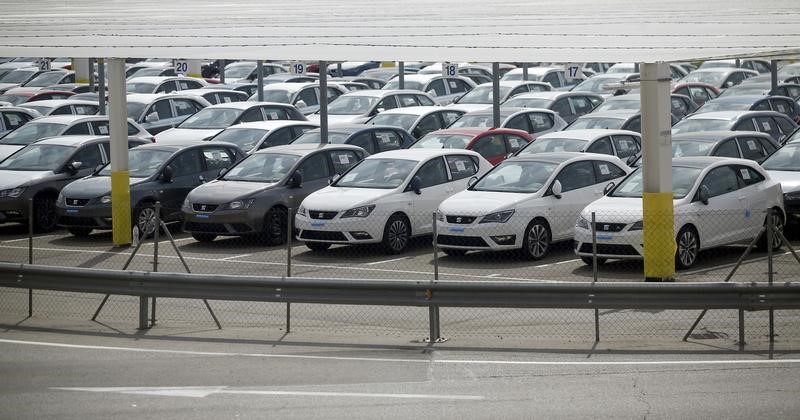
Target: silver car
<point x="162" y="111"/>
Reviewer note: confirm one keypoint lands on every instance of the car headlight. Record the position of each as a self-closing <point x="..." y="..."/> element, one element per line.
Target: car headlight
<point x="637" y="226"/>
<point x="106" y="199"/>
<point x="440" y="216"/>
<point x="241" y="204"/>
<point x="301" y="210"/>
<point x="582" y="223"/>
<point x="362" y="211"/>
<point x="12" y="192"/>
<point x="499" y="217"/>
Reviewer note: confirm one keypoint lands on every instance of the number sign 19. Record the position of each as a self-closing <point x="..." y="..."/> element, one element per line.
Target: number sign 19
<point x="297" y="68"/>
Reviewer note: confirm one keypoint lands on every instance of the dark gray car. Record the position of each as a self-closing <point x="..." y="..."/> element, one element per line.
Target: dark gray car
<point x="41" y="170"/>
<point x="254" y="196"/>
<point x="158" y="173"/>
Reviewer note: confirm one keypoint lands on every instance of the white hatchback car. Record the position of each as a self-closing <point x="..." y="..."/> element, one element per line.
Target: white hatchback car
<point x="717" y="201"/>
<point x="387" y="198"/>
<point x="525" y="203"/>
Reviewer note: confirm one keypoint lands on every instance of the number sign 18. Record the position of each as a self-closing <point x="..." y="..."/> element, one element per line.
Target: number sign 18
<point x="449" y="69"/>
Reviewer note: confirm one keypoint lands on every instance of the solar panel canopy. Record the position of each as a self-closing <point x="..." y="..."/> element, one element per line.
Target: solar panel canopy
<point x="403" y="30"/>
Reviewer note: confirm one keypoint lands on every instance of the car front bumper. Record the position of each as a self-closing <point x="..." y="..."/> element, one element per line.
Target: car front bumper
<point x="223" y="222"/>
<point x="616" y="245"/>
<point x="355" y="230"/>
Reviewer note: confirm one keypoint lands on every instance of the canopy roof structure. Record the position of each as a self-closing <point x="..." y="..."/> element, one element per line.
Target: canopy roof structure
<point x="403" y="30"/>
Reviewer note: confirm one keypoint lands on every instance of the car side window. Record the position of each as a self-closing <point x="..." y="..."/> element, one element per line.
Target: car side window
<point x="540" y="122"/>
<point x="602" y="146"/>
<point x="436" y="88"/>
<point x="626" y="146"/>
<point x="85" y="109"/>
<point x="424" y="100"/>
<point x="746" y="125"/>
<point x="432" y="173"/>
<point x="63" y="110"/>
<point x="189" y="84"/>
<point x="767" y="125"/>
<point x="450" y="117"/>
<point x="185" y="107"/>
<point x="387" y="103"/>
<point x="89" y="156"/>
<point x="167" y="87"/>
<point x="162" y="109"/>
<point x="387" y="140"/>
<point x="781" y="105"/>
<point x="576" y="175"/>
<point x="279" y="137"/>
<point x="520" y="122"/>
<point x="426" y="125"/>
<point x="553" y="79"/>
<point x="490" y="146"/>
<point x="748" y="176"/>
<point x="314" y="167"/>
<point x="515" y="143"/>
<point x="186" y="163"/>
<point x="734" y="79"/>
<point x="13" y="120"/>
<point x="634" y="124"/>
<point x="461" y="167"/>
<point x="272" y="113"/>
<point x="751" y="149"/>
<point x="343" y="160"/>
<point x="307" y="95"/>
<point x="762" y="105"/>
<point x="581" y="104"/>
<point x="720" y="181"/>
<point x="768" y="146"/>
<point x="606" y="171"/>
<point x="300" y="129"/>
<point x="518" y="90"/>
<point x="83" y="128"/>
<point x="457" y="86"/>
<point x="253" y="114"/>
<point x="679" y="107"/>
<point x="408" y="100"/>
<point x="364" y="141"/>
<point x="333" y="94"/>
<point x="785" y="125"/>
<point x="217" y="158"/>
<point x="561" y="107"/>
<point x="699" y="94"/>
<point x="727" y="149"/>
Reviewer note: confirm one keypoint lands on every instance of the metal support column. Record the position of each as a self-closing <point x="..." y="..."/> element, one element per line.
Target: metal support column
<point x="260" y="80"/>
<point x="774" y="74"/>
<point x="323" y="101"/>
<point x="496" y="94"/>
<point x="659" y="235"/>
<point x="82" y="70"/>
<point x="524" y="71"/>
<point x="120" y="179"/>
<point x="222" y="71"/>
<point x="339" y="72"/>
<point x="401" y="74"/>
<point x="101" y="85"/>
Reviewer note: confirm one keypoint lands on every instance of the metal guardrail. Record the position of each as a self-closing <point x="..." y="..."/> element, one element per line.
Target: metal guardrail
<point x="702" y="296"/>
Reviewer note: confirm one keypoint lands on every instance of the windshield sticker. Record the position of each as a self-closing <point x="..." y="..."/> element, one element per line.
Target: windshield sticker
<point x="460" y="166"/>
<point x="745" y="173"/>
<point x="453" y="84"/>
<point x="513" y="142"/>
<point x="751" y="144"/>
<point x="226" y="99"/>
<point x="344" y="159"/>
<point x="102" y="129"/>
<point x="604" y="169"/>
<point x="766" y="125"/>
<point x="273" y="115"/>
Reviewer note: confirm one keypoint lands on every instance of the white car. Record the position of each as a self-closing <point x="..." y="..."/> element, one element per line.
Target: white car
<point x="621" y="143"/>
<point x="717" y="201"/>
<point x="525" y="203"/>
<point x="387" y="198"/>
<point x="784" y="167"/>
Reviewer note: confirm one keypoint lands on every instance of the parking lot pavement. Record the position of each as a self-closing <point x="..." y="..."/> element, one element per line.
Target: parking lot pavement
<point x="243" y="256"/>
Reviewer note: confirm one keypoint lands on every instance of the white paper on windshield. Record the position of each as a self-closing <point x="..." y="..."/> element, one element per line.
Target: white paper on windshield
<point x="344" y="159"/>
<point x="460" y="166"/>
<point x="751" y="144"/>
<point x="273" y="115"/>
<point x="102" y="129"/>
<point x="781" y="108"/>
<point x="226" y="99"/>
<point x="766" y="125"/>
<point x="453" y="84"/>
<point x="624" y="145"/>
<point x="745" y="173"/>
<point x="513" y="142"/>
<point x="604" y="169"/>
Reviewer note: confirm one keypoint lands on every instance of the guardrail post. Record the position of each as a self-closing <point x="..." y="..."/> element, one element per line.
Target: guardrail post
<point x="30" y="252"/>
<point x="289" y="238"/>
<point x="433" y="310"/>
<point x="594" y="277"/>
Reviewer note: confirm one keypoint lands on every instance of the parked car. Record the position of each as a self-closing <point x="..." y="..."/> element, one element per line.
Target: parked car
<point x="782" y="104"/>
<point x="153" y="71"/>
<point x="625" y="119"/>
<point x="53" y="77"/>
<point x="247" y="70"/>
<point x="760" y="66"/>
<point x="218" y="96"/>
<point x="417" y="120"/>
<point x="155" y="84"/>
<point x="63" y="125"/>
<point x="791" y="90"/>
<point x="62" y="107"/>
<point x="304" y="96"/>
<point x="386" y="198"/>
<point x="209" y="121"/>
<point x="717" y="202"/>
<point x="700" y="93"/>
<point x="778" y="125"/>
<point x="784" y="167"/>
<point x="18" y="76"/>
<point x="372" y="138"/>
<point x="568" y="105"/>
<point x="535" y="121"/>
<point x="681" y="105"/>
<point x="39" y="171"/>
<point x="254" y="136"/>
<point x="620" y="143"/>
<point x="443" y="89"/>
<point x="360" y="105"/>
<point x="494" y="144"/>
<point x="555" y="76"/>
<point x="73" y="87"/>
<point x="12" y="117"/>
<point x="19" y="97"/>
<point x="737" y="144"/>
<point x="719" y="77"/>
<point x="157" y="112"/>
<point x="386" y="73"/>
<point x="525" y="203"/>
<point x="254" y="196"/>
<point x="481" y="96"/>
<point x="159" y="173"/>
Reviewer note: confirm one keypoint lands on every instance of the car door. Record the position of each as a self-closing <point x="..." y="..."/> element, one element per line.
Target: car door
<point x="158" y="117"/>
<point x="215" y="158"/>
<point x="492" y="147"/>
<point x="751" y="183"/>
<point x="721" y="220"/>
<point x="435" y="187"/>
<point x="90" y="156"/>
<point x="578" y="182"/>
<point x="316" y="172"/>
<point x="187" y="171"/>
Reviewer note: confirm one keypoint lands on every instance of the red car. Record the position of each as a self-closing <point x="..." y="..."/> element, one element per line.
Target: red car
<point x="494" y="144"/>
<point x="20" y="96"/>
<point x="699" y="92"/>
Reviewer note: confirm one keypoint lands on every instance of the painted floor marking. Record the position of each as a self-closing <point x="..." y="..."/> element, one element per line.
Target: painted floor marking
<point x="235" y="256"/>
<point x="388" y="261"/>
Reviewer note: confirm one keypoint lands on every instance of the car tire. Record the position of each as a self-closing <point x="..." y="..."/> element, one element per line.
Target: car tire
<point x="79" y="232"/>
<point x="144" y="219"/>
<point x="537" y="240"/>
<point x="588" y="261"/>
<point x="396" y="235"/>
<point x="318" y="246"/>
<point x="204" y="237"/>
<point x="274" y="230"/>
<point x="44" y="214"/>
<point x="451" y="252"/>
<point x="777" y="242"/>
<point x="688" y="248"/>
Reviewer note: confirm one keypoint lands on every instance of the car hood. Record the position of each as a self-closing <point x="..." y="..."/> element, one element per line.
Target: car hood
<point x="340" y="199"/>
<point x="93" y="186"/>
<point x="7" y="150"/>
<point x="182" y="134"/>
<point x="614" y="210"/>
<point x="478" y="203"/>
<point x="14" y="179"/>
<point x="789" y="180"/>
<point x="6" y="86"/>
<point x="219" y="191"/>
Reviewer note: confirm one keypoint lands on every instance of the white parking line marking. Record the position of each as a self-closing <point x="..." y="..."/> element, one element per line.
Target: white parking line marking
<point x="425" y="361"/>
<point x="494" y="275"/>
<point x="167" y="241"/>
<point x="25" y="239"/>
<point x="388" y="261"/>
<point x="567" y="261"/>
<point x="234" y="257"/>
<point x="729" y="265"/>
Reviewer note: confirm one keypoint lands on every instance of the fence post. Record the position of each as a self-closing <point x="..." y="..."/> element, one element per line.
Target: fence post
<point x="594" y="277"/>
<point x="289" y="237"/>
<point x="433" y="310"/>
<point x="156" y="231"/>
<point x="30" y="252"/>
<point x="143" y="313"/>
<point x="770" y="252"/>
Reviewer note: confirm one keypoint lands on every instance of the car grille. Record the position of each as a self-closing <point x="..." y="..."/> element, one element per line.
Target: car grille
<point x="76" y="202"/>
<point x="607" y="249"/>
<point x="320" y="235"/>
<point x="462" y="220"/>
<point x="475" y="241"/>
<point x="205" y="227"/>
<point x="324" y="215"/>
<point x="204" y="207"/>
<point x="610" y="227"/>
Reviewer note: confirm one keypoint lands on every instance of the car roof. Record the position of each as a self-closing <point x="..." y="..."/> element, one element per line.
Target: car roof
<point x="514" y="83"/>
<point x="419" y="154"/>
<point x="178" y="145"/>
<point x="616" y="113"/>
<point x="416" y="110"/>
<point x="290" y="87"/>
<point x="551" y="94"/>
<point x="271" y="124"/>
<point x="69" y="119"/>
<point x="508" y="111"/>
<point x="554" y="157"/>
<point x="729" y="115"/>
<point x="304" y="149"/>
<point x="588" y="134"/>
<point x="749" y="99"/>
<point x="244" y="105"/>
<point x="159" y="79"/>
<point x="701" y="162"/>
<point x="721" y="70"/>
<point x="715" y="136"/>
<point x="475" y="131"/>
<point x="56" y="102"/>
<point x="381" y="92"/>
<point x="350" y="128"/>
<point x="71" y="140"/>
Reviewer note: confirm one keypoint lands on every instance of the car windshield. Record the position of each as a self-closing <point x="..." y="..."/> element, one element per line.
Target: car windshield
<point x="710" y="77"/>
<point x="142" y="163"/>
<point x="597" y="122"/>
<point x="245" y="138"/>
<point x="314" y="137"/>
<point x="212" y="118"/>
<point x="724" y="106"/>
<point x="352" y="105"/>
<point x="240" y="71"/>
<point x="612" y="105"/>
<point x="17" y="76"/>
<point x="482" y="95"/>
<point x="741" y="90"/>
<point x="683" y="179"/>
<point x="443" y="141"/>
<point x="518" y="76"/>
<point x="276" y="95"/>
<point x="42" y="109"/>
<point x="474" y="120"/>
<point x="789" y="71"/>
<point x="13" y="99"/>
<point x="554" y="145"/>
<point x="404" y="121"/>
<point x="45" y="79"/>
<point x="786" y="158"/>
<point x="395" y="84"/>
<point x="32" y="132"/>
<point x="377" y="173"/>
<point x="37" y="157"/>
<point x="699" y="124"/>
<point x="516" y="177"/>
<point x="147" y="71"/>
<point x="596" y="84"/>
<point x="140" y="87"/>
<point x="262" y="167"/>
<point x="691" y="148"/>
<point x="135" y="110"/>
<point x="527" y="103"/>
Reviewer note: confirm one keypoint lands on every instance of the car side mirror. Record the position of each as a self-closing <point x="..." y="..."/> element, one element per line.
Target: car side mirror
<point x="703" y="194"/>
<point x="151" y="117"/>
<point x="222" y="172"/>
<point x="296" y="180"/>
<point x="556" y="189"/>
<point x="74" y="167"/>
<point x="334" y="179"/>
<point x="167" y="174"/>
<point x="472" y="181"/>
<point x="300" y="104"/>
<point x="608" y="188"/>
<point x="415" y="185"/>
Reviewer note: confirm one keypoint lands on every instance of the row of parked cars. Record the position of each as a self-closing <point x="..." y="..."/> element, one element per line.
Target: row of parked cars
<point x="238" y="166"/>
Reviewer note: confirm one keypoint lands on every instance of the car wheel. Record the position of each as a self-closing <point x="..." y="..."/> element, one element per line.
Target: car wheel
<point x="537" y="240"/>
<point x="454" y="252"/>
<point x="318" y="246"/>
<point x="44" y="214"/>
<point x="79" y="231"/>
<point x="204" y="237"/>
<point x="588" y="261"/>
<point x="777" y="242"/>
<point x="396" y="234"/>
<point x="688" y="248"/>
<point x="275" y="226"/>
<point x="144" y="217"/>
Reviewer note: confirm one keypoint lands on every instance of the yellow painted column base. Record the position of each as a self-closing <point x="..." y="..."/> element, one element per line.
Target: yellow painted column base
<point x="659" y="235"/>
<point x="121" y="208"/>
<point x="387" y="64"/>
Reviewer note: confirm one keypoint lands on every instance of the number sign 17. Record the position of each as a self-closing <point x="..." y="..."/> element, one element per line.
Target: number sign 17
<point x="572" y="71"/>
